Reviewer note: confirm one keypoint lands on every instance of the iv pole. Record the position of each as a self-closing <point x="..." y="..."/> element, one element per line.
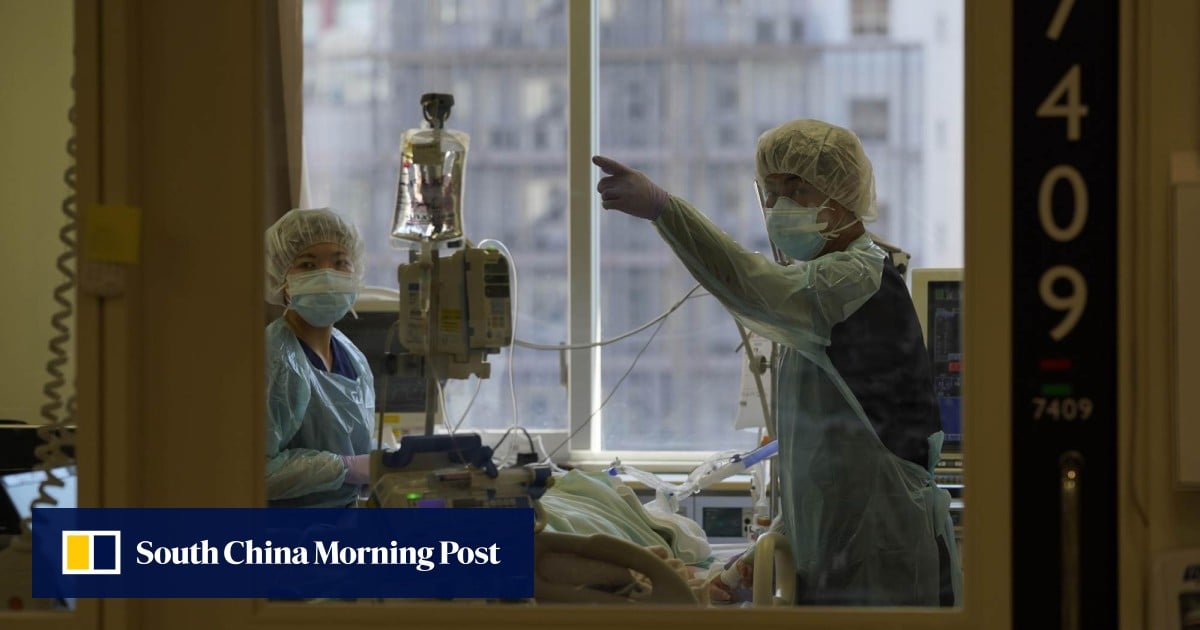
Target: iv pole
<point x="436" y="109"/>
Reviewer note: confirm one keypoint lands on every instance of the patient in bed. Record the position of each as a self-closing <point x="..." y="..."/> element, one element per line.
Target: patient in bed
<point x="596" y="503"/>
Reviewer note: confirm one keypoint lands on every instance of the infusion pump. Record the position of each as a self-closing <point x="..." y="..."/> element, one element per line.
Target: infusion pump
<point x="456" y="309"/>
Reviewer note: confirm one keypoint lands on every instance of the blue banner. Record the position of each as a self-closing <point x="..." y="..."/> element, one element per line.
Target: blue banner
<point x="283" y="553"/>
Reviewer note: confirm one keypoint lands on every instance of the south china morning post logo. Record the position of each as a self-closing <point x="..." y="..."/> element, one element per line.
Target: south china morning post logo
<point x="284" y="553"/>
<point x="91" y="552"/>
<point x="268" y="553"/>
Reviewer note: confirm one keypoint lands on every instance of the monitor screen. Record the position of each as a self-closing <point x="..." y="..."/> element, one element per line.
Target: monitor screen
<point x="937" y="295"/>
<point x="369" y="332"/>
<point x="722" y="522"/>
<point x="945" y="352"/>
<point x="723" y="517"/>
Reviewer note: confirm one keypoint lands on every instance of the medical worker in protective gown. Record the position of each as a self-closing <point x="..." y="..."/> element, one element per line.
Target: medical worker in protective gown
<point x="320" y="389"/>
<point x="858" y="423"/>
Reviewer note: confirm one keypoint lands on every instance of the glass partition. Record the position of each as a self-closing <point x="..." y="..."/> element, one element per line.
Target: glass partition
<point x="684" y="90"/>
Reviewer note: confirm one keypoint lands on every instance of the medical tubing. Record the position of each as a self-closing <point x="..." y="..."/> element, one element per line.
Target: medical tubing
<point x="716" y="468"/>
<point x="529" y="438"/>
<point x="604" y="342"/>
<point x="759" y="494"/>
<point x="604" y="402"/>
<point x="470" y="403"/>
<point x="442" y="402"/>
<point x="762" y="394"/>
<point x="50" y="454"/>
<point x="719" y="473"/>
<point x="387" y="349"/>
<point x="560" y="347"/>
<point x="659" y="320"/>
<point x="761" y="453"/>
<point x="381" y="397"/>
<point x="512" y="276"/>
<point x="650" y="480"/>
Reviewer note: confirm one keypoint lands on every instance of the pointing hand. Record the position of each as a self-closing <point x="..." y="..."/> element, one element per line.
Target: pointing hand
<point x="628" y="190"/>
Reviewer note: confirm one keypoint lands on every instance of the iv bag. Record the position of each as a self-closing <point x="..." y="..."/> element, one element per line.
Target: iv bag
<point x="429" y="201"/>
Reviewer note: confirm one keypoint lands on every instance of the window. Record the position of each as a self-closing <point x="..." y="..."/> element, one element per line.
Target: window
<point x="503" y="138"/>
<point x="797" y="30"/>
<point x="764" y="31"/>
<point x="683" y="108"/>
<point x="869" y="119"/>
<point x="515" y="178"/>
<point x="630" y="92"/>
<point x="869" y="18"/>
<point x="506" y="36"/>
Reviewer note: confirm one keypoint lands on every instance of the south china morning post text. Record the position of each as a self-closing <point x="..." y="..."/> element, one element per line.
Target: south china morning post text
<point x="285" y="553"/>
<point x="239" y="552"/>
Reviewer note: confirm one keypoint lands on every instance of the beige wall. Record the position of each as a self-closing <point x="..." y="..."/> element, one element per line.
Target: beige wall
<point x="1167" y="101"/>
<point x="35" y="70"/>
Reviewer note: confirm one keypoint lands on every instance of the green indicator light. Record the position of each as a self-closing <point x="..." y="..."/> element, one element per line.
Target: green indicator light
<point x="414" y="495"/>
<point x="1057" y="389"/>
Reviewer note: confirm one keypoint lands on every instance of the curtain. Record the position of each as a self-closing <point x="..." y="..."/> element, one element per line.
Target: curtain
<point x="283" y="104"/>
<point x="285" y="185"/>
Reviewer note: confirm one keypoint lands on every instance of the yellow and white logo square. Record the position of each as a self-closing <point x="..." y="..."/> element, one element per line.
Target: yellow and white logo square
<point x="91" y="552"/>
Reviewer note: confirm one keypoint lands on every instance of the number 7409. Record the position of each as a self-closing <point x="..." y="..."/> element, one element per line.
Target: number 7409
<point x="1061" y="409"/>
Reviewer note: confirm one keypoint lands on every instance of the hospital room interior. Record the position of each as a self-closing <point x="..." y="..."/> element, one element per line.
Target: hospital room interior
<point x="796" y="313"/>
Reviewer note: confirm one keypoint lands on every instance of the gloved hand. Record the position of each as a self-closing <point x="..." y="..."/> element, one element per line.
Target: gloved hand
<point x="358" y="469"/>
<point x="629" y="190"/>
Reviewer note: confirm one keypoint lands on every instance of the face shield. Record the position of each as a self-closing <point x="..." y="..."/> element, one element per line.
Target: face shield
<point x="761" y="195"/>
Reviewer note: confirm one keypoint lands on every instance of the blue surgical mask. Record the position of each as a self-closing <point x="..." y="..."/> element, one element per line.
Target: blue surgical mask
<point x="322" y="309"/>
<point x="322" y="297"/>
<point x="794" y="228"/>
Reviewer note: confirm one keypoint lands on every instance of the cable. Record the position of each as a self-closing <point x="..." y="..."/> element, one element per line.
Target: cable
<point x="557" y="347"/>
<point x="513" y="294"/>
<point x="528" y="438"/>
<point x="535" y="346"/>
<point x="470" y="403"/>
<point x="661" y="321"/>
<point x="768" y="421"/>
<point x="388" y="340"/>
<point x="50" y="455"/>
<point x="442" y="401"/>
<point x="583" y="346"/>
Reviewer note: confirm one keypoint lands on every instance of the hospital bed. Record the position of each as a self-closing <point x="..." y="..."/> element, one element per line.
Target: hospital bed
<point x="602" y="553"/>
<point x="774" y="580"/>
<point x="595" y="542"/>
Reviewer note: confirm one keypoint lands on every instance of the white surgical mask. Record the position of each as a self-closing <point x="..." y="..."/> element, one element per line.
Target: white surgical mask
<point x="322" y="297"/>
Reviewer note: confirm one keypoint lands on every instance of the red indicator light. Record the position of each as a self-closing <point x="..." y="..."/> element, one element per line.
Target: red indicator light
<point x="1054" y="365"/>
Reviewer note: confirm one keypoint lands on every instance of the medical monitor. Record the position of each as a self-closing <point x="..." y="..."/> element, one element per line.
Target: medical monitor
<point x="378" y="310"/>
<point x="937" y="295"/>
<point x="725" y="518"/>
